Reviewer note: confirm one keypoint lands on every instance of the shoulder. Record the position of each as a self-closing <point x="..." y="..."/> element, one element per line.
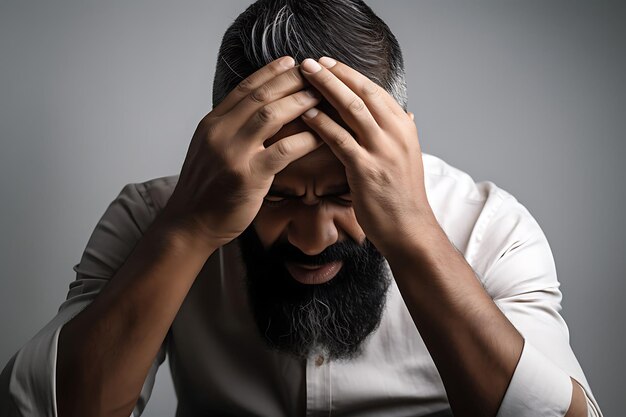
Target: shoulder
<point x="156" y="191"/>
<point x="122" y="225"/>
<point x="141" y="201"/>
<point x="452" y="191"/>
<point x="482" y="219"/>
<point x="463" y="206"/>
<point x="444" y="180"/>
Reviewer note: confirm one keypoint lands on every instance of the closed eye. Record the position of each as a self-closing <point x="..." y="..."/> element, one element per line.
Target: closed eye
<point x="275" y="201"/>
<point x="345" y="199"/>
<point x="279" y="196"/>
<point x="271" y="200"/>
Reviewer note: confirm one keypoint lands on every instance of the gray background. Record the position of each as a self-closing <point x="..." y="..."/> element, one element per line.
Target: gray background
<point x="528" y="94"/>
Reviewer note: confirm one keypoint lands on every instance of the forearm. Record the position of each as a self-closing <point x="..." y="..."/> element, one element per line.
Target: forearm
<point x="472" y="343"/>
<point x="474" y="346"/>
<point x="105" y="352"/>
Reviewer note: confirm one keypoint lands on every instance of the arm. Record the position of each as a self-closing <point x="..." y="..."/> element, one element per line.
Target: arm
<point x="476" y="348"/>
<point x="28" y="383"/>
<point x="473" y="343"/>
<point x="105" y="352"/>
<point x="141" y="268"/>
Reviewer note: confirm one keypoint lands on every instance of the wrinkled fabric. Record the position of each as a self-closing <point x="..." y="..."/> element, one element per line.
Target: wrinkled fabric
<point x="221" y="366"/>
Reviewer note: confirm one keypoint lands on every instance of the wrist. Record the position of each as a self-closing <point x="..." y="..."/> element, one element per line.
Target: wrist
<point x="177" y="234"/>
<point x="413" y="238"/>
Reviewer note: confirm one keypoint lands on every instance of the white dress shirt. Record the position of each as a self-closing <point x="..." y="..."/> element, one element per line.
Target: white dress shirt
<point x="220" y="365"/>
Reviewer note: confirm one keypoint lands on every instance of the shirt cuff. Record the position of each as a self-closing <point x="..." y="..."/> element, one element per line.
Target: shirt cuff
<point x="538" y="388"/>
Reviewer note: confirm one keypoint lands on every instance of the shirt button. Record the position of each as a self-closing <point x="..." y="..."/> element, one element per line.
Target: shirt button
<point x="319" y="361"/>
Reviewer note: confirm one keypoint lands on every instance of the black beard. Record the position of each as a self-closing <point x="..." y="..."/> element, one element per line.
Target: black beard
<point x="336" y="316"/>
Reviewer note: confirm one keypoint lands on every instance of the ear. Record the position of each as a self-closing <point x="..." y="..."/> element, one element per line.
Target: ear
<point x="411" y="115"/>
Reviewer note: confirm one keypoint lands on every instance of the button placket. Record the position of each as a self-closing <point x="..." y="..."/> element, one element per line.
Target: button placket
<point x="318" y="385"/>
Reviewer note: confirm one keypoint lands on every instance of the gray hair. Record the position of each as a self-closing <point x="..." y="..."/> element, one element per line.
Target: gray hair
<point x="347" y="30"/>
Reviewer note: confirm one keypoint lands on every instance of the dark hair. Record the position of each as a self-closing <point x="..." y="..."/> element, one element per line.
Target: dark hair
<point x="347" y="30"/>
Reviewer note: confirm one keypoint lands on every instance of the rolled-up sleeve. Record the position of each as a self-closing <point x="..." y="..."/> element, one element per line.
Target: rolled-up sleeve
<point x="522" y="280"/>
<point x="30" y="386"/>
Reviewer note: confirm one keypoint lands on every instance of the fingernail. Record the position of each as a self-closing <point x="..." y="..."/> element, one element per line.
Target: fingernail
<point x="310" y="113"/>
<point x="309" y="65"/>
<point x="327" y="62"/>
<point x="287" y="62"/>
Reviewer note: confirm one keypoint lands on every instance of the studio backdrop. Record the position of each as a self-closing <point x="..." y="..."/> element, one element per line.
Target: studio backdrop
<point x="527" y="94"/>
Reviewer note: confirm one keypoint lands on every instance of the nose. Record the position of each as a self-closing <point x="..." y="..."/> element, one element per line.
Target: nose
<point x="312" y="229"/>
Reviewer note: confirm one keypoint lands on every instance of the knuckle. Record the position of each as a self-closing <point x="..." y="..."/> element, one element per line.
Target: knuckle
<point x="370" y="89"/>
<point x="369" y="171"/>
<point x="262" y="94"/>
<point x="245" y="86"/>
<point x="381" y="177"/>
<point x="210" y="128"/>
<point x="206" y="118"/>
<point x="266" y="114"/>
<point x="302" y="99"/>
<point x="343" y="139"/>
<point x="276" y="68"/>
<point x="299" y="99"/>
<point x="357" y="104"/>
<point x="283" y="150"/>
<point x="295" y="77"/>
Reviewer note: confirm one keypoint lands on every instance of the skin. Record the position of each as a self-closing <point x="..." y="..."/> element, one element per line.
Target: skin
<point x="243" y="146"/>
<point x="105" y="351"/>
<point x="474" y="346"/>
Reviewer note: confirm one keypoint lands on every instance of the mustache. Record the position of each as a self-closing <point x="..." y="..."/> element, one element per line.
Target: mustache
<point x="346" y="249"/>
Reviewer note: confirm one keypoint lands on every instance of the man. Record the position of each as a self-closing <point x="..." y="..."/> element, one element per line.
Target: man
<point x="309" y="259"/>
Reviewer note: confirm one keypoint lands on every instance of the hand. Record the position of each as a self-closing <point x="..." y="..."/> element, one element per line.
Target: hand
<point x="383" y="159"/>
<point x="228" y="170"/>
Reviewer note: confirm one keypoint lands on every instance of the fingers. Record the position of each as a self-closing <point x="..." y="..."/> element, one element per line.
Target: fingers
<point x="379" y="101"/>
<point x="352" y="108"/>
<point x="286" y="150"/>
<point x="281" y="86"/>
<point x="257" y="79"/>
<point x="264" y="110"/>
<point x="270" y="118"/>
<point x="340" y="141"/>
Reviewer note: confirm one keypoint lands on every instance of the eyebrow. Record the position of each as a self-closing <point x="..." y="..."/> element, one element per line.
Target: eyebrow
<point x="287" y="192"/>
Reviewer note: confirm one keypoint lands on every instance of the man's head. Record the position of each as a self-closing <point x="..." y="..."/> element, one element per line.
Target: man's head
<point x="314" y="280"/>
<point x="347" y="30"/>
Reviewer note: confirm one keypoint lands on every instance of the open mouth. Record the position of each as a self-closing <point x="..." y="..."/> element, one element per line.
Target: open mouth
<point x="313" y="274"/>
